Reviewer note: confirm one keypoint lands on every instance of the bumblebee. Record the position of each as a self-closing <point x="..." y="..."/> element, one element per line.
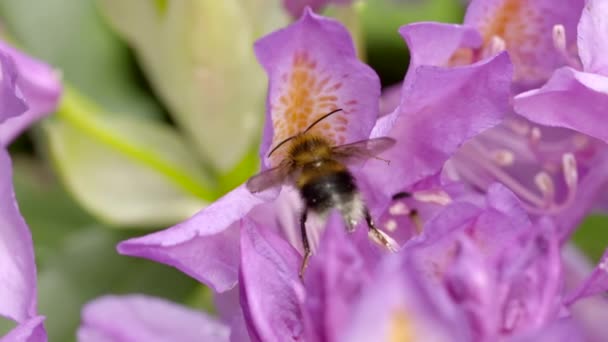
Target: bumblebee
<point x="319" y="171"/>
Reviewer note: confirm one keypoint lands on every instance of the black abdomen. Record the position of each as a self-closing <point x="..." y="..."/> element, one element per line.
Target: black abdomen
<point x="328" y="190"/>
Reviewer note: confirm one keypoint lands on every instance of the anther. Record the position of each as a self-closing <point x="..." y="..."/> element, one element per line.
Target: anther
<point x="503" y="157"/>
<point x="399" y="208"/>
<point x="559" y="38"/>
<point x="497" y="45"/>
<point x="545" y="184"/>
<point x="519" y="127"/>
<point x="569" y="169"/>
<point x="390" y="225"/>
<point x="535" y="135"/>
<point x="433" y="196"/>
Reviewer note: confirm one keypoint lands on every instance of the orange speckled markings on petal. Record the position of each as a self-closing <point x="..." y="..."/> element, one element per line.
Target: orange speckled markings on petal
<point x="520" y="25"/>
<point x="306" y="93"/>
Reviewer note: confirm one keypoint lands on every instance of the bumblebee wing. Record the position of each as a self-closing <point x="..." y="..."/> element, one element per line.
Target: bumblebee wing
<point x="268" y="178"/>
<point x="360" y="151"/>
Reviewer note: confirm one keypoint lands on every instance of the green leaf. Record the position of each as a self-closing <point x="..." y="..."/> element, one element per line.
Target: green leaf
<point x="73" y="37"/>
<point x="592" y="235"/>
<point x="88" y="267"/>
<point x="199" y="58"/>
<point x="47" y="208"/>
<point x="128" y="171"/>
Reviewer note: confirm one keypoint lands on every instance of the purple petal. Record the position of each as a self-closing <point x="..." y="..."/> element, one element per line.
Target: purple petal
<point x="570" y="99"/>
<point x="32" y="330"/>
<point x="38" y="84"/>
<point x="335" y="278"/>
<point x="560" y="330"/>
<point x="269" y="286"/>
<point x="296" y="7"/>
<point x="204" y="246"/>
<point x="397" y="306"/>
<point x="143" y="318"/>
<point x="17" y="267"/>
<point x="592" y="37"/>
<point x="591" y="312"/>
<point x="440" y="44"/>
<point x="596" y="283"/>
<point x="526" y="28"/>
<point x="11" y="103"/>
<point x="313" y="69"/>
<point x="441" y="108"/>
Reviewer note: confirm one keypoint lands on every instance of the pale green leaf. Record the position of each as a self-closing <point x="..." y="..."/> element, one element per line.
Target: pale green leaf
<point x="128" y="171"/>
<point x="198" y="56"/>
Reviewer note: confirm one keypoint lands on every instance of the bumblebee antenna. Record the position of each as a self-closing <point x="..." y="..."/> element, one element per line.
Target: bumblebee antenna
<point x="306" y="130"/>
<point x="321" y="119"/>
<point x="280" y="144"/>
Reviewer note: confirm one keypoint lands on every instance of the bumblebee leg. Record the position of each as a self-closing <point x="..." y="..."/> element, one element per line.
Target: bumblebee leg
<point x="414" y="217"/>
<point x="377" y="234"/>
<point x="305" y="242"/>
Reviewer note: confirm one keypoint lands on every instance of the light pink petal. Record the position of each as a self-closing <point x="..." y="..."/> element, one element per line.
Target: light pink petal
<point x="37" y="84"/>
<point x="571" y="99"/>
<point x="17" y="267"/>
<point x="313" y="69"/>
<point x="11" y="103"/>
<point x="592" y="37"/>
<point x="142" y="318"/>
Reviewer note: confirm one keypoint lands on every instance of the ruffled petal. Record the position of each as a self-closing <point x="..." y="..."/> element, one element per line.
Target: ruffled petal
<point x="441" y="108"/>
<point x="313" y="70"/>
<point x="17" y="267"/>
<point x="596" y="282"/>
<point x="37" y="84"/>
<point x="592" y="37"/>
<point x="296" y="7"/>
<point x="570" y="99"/>
<point x="269" y="286"/>
<point x="12" y="104"/>
<point x="144" y="318"/>
<point x="206" y="246"/>
<point x="440" y="44"/>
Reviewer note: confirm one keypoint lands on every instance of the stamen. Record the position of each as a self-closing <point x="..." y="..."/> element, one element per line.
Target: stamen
<point x="570" y="171"/>
<point x="433" y="196"/>
<point x="504" y="157"/>
<point x="497" y="45"/>
<point x="560" y="42"/>
<point x="518" y="126"/>
<point x="545" y="184"/>
<point x="390" y="225"/>
<point x="535" y="135"/>
<point x="559" y="38"/>
<point x="580" y="141"/>
<point x="399" y="208"/>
